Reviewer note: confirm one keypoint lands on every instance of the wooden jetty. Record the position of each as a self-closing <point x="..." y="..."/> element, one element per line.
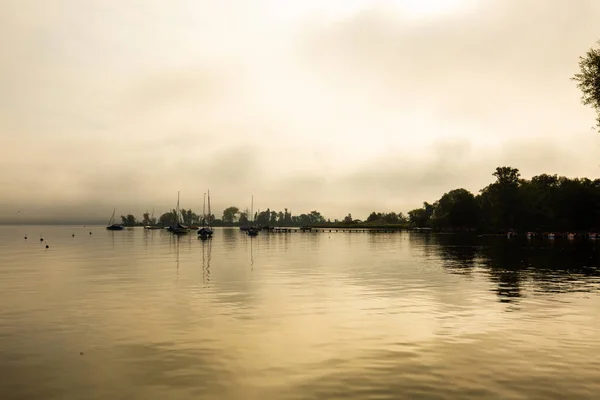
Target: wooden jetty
<point x="333" y="230"/>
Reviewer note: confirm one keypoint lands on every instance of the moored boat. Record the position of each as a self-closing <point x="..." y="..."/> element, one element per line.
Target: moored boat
<point x="111" y="224"/>
<point x="252" y="229"/>
<point x="177" y="227"/>
<point x="206" y="231"/>
<point x="152" y="223"/>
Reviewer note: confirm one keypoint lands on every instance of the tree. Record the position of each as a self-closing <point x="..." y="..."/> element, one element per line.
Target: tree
<point x="456" y="209"/>
<point x="420" y="217"/>
<point x="501" y="202"/>
<point x="348" y="219"/>
<point x="373" y="217"/>
<point x="243" y="218"/>
<point x="588" y="80"/>
<point x="315" y="217"/>
<point x="146" y="219"/>
<point x="189" y="217"/>
<point x="167" y="218"/>
<point x="128" y="220"/>
<point x="230" y="214"/>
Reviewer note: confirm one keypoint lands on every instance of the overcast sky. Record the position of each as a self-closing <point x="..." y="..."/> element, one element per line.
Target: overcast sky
<point x="340" y="106"/>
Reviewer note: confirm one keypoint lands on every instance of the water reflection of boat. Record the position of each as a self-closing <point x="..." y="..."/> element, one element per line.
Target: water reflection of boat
<point x="111" y="223"/>
<point x="206" y="257"/>
<point x="251" y="257"/>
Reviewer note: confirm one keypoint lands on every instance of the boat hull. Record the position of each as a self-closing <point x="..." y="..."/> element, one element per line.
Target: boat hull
<point x="205" y="231"/>
<point x="114" y="228"/>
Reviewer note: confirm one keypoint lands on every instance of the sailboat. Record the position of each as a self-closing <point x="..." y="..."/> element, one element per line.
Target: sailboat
<point x="206" y="231"/>
<point x="178" y="228"/>
<point x="252" y="230"/>
<point x="153" y="223"/>
<point x="111" y="224"/>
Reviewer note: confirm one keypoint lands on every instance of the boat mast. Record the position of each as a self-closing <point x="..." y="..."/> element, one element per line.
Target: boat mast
<point x="204" y="211"/>
<point x="209" y="214"/>
<point x="112" y="219"/>
<point x="177" y="210"/>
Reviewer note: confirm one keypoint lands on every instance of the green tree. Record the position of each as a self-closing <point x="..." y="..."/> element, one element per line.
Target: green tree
<point x="243" y="218"/>
<point x="146" y="219"/>
<point x="273" y="220"/>
<point x="420" y="217"/>
<point x="500" y="202"/>
<point x="167" y="219"/>
<point x="128" y="220"/>
<point x="588" y="80"/>
<point x="374" y="216"/>
<point x="456" y="209"/>
<point x="315" y="217"/>
<point x="230" y="215"/>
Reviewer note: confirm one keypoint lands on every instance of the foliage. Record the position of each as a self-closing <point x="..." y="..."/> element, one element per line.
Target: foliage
<point x="230" y="215"/>
<point x="167" y="219"/>
<point x="543" y="203"/>
<point x="457" y="209"/>
<point x="588" y="80"/>
<point x="386" y="218"/>
<point x="420" y="217"/>
<point x="128" y="220"/>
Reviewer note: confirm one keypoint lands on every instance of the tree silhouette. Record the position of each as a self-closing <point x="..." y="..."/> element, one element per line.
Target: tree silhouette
<point x="588" y="80"/>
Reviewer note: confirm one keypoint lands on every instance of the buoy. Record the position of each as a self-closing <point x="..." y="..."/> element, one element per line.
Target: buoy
<point x="41" y="239"/>
<point x="25" y="237"/>
<point x="73" y="235"/>
<point x="81" y="353"/>
<point x="90" y="233"/>
<point x="47" y="246"/>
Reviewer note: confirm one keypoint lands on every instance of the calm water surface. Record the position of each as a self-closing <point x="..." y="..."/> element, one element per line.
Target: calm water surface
<point x="143" y="314"/>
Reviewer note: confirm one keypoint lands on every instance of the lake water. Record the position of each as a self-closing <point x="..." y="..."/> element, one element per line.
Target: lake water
<point x="146" y="315"/>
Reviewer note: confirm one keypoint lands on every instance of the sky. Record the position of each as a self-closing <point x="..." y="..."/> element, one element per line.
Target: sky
<point x="343" y="106"/>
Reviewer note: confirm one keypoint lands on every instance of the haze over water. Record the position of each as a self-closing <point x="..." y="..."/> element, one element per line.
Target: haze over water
<point x="143" y="314"/>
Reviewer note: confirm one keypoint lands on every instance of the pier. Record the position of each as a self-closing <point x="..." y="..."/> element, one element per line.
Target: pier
<point x="333" y="230"/>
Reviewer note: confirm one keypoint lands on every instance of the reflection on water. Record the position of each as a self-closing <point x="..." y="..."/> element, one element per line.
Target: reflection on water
<point x="146" y="314"/>
<point x="541" y="265"/>
<point x="206" y="255"/>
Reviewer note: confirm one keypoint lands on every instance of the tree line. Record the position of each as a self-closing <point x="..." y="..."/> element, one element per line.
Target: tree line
<point x="542" y="203"/>
<point x="232" y="216"/>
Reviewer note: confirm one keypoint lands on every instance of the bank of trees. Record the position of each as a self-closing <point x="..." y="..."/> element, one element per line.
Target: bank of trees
<point x="233" y="216"/>
<point x="542" y="203"/>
